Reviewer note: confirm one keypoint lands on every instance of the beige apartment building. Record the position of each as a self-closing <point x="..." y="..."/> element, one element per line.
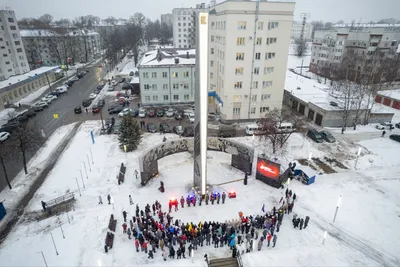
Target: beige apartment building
<point x="249" y="44"/>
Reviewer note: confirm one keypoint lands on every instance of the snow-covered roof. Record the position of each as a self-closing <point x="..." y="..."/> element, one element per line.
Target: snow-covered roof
<point x="36" y="33"/>
<point x="394" y="94"/>
<point x="367" y="25"/>
<point x="20" y="78"/>
<point x="135" y="79"/>
<point x="168" y="57"/>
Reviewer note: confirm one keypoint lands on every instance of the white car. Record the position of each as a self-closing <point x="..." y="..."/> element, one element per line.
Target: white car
<point x="4" y="136"/>
<point x="169" y="113"/>
<point x="114" y="83"/>
<point x="61" y="89"/>
<point x="142" y="113"/>
<point x="92" y="96"/>
<point x="125" y="112"/>
<point x="191" y="117"/>
<point x="46" y="100"/>
<point x="52" y="97"/>
<point x="384" y="125"/>
<point x="73" y="78"/>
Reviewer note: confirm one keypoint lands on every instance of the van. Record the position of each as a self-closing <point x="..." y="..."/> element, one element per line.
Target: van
<point x="285" y="127"/>
<point x="253" y="129"/>
<point x="226" y="131"/>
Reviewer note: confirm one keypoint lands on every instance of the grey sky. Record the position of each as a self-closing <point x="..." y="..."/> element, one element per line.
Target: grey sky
<point x="327" y="10"/>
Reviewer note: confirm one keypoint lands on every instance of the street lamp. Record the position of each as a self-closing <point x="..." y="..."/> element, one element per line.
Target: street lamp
<point x="44" y="259"/>
<point x="358" y="155"/>
<point x="337" y="207"/>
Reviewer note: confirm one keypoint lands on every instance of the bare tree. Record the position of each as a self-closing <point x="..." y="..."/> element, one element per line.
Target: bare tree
<point x="7" y="154"/>
<point x="301" y="47"/>
<point x="46" y="19"/>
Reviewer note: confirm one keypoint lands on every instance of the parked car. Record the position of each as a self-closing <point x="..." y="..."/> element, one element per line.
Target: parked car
<point x="121" y="80"/>
<point x="191" y="117"/>
<point x="188" y="131"/>
<point x="86" y="103"/>
<point x="101" y="103"/>
<point x="314" y="135"/>
<point x="110" y="88"/>
<point x="114" y="83"/>
<point x="46" y="100"/>
<point x="151" y="112"/>
<point x="151" y="127"/>
<point x="116" y="109"/>
<point x="52" y="97"/>
<point x="20" y="118"/>
<point x="92" y="96"/>
<point x="96" y="109"/>
<point x="73" y="79"/>
<point x="226" y="131"/>
<point x="96" y="91"/>
<point x="78" y="110"/>
<point x="327" y="136"/>
<point x="384" y="125"/>
<point x="135" y="112"/>
<point x="29" y="113"/>
<point x="395" y="137"/>
<point x="142" y="113"/>
<point x="164" y="127"/>
<point x="127" y="86"/>
<point x="9" y="127"/>
<point x="101" y="85"/>
<point x="62" y="89"/>
<point x="178" y="115"/>
<point x="117" y="127"/>
<point x="41" y="104"/>
<point x="397" y="125"/>
<point x="169" y="112"/>
<point x="178" y="129"/>
<point x="69" y="83"/>
<point x="55" y="93"/>
<point x="81" y="74"/>
<point x="113" y="105"/>
<point x="160" y="112"/>
<point x="4" y="136"/>
<point x="125" y="112"/>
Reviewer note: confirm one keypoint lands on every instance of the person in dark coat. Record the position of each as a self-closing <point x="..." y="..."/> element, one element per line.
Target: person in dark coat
<point x="124" y="214"/>
<point x="151" y="256"/>
<point x="294" y="197"/>
<point x="274" y="240"/>
<point x="207" y="198"/>
<point x="301" y="223"/>
<point x="223" y="197"/>
<point x="183" y="249"/>
<point x="234" y="252"/>
<point x="245" y="179"/>
<point x="278" y="225"/>
<point x="306" y="222"/>
<point x="182" y="201"/>
<point x="109" y="199"/>
<point x="44" y="206"/>
<point x="179" y="253"/>
<point x="171" y="252"/>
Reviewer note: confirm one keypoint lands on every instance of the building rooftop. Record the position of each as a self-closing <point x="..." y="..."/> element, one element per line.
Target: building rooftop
<point x="20" y="78"/>
<point x="394" y="94"/>
<point x="366" y="25"/>
<point x="49" y="33"/>
<point x="167" y="57"/>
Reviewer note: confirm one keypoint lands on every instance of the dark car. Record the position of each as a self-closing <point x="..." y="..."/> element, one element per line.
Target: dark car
<point x="121" y="80"/>
<point x="178" y="129"/>
<point x="160" y="112"/>
<point x="55" y="93"/>
<point x="151" y="112"/>
<point x="115" y="105"/>
<point x="9" y="127"/>
<point x="164" y="127"/>
<point x="315" y="135"/>
<point x="151" y="127"/>
<point x="188" y="131"/>
<point x="78" y="110"/>
<point x="178" y="115"/>
<point x="395" y="137"/>
<point x="38" y="108"/>
<point x="96" y="91"/>
<point x="30" y="113"/>
<point x="19" y="118"/>
<point x="101" y="103"/>
<point x="101" y="85"/>
<point x="86" y="103"/>
<point x="116" y="109"/>
<point x="69" y="83"/>
<point x="397" y="125"/>
<point x="327" y="136"/>
<point x="96" y="109"/>
<point x="81" y="74"/>
<point x="127" y="86"/>
<point x="135" y="112"/>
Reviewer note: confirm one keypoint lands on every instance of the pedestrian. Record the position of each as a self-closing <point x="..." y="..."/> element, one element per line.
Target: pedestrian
<point x="301" y="223"/>
<point x="129" y="233"/>
<point x="137" y="244"/>
<point x="164" y="255"/>
<point x="144" y="247"/>
<point x="182" y="201"/>
<point x="124" y="214"/>
<point x="130" y="200"/>
<point x="383" y="133"/>
<point x="124" y="225"/>
<point x="183" y="251"/>
<point x="294" y="197"/>
<point x="223" y="197"/>
<point x="136" y="174"/>
<point x="109" y="199"/>
<point x="151" y="256"/>
<point x="274" y="240"/>
<point x="260" y="243"/>
<point x="44" y="205"/>
<point x="178" y="253"/>
<point x="343" y="130"/>
<point x="278" y="225"/>
<point x="306" y="221"/>
<point x="86" y="109"/>
<point x="245" y="179"/>
<point x="131" y="224"/>
<point x="269" y="237"/>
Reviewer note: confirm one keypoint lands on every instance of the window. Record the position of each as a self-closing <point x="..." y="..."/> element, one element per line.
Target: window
<point x="10" y="20"/>
<point x="256" y="70"/>
<point x="269" y="55"/>
<point x="264" y="109"/>
<point x="212" y="63"/>
<point x="165" y="74"/>
<point x="13" y="28"/>
<point x="239" y="56"/>
<point x="212" y="38"/>
<point x="147" y="98"/>
<point x="175" y="86"/>
<point x="239" y="71"/>
<point x="241" y="25"/>
<point x="259" y="41"/>
<point x="19" y="50"/>
<point x="211" y="75"/>
<point x="237" y="98"/>
<point x="154" y="86"/>
<point x="165" y="97"/>
<point x="253" y="110"/>
<point x="238" y="85"/>
<point x="7" y="62"/>
<point x="260" y="25"/>
<point x="254" y="98"/>
<point x="236" y="111"/>
<point x="154" y="75"/>
<point x="265" y="96"/>
<point x="17" y="42"/>
<point x="273" y="25"/>
<point x="175" y="74"/>
<point x="185" y="97"/>
<point x="155" y="97"/>
<point x="258" y="56"/>
<point x="268" y="70"/>
<point x="5" y="55"/>
<point x="145" y="75"/>
<point x="185" y="74"/>
<point x="240" y="41"/>
<point x="15" y="36"/>
<point x="212" y="51"/>
<point x="176" y="97"/>
<point x="267" y="84"/>
<point x="271" y="40"/>
<point x="212" y="25"/>
<point x="255" y="84"/>
<point x="185" y="86"/>
<point x="165" y="86"/>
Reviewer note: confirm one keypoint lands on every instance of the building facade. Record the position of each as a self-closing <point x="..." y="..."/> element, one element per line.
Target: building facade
<point x="184" y="27"/>
<point x="297" y="27"/>
<point x="12" y="53"/>
<point x="167" y="19"/>
<point x="249" y="44"/>
<point x="49" y="48"/>
<point x="329" y="46"/>
<point x="167" y="77"/>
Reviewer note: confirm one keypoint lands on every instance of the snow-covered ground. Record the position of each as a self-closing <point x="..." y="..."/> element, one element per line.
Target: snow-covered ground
<point x="128" y="68"/>
<point x="365" y="232"/>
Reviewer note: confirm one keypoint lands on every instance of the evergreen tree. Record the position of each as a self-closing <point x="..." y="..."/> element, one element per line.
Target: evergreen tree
<point x="129" y="134"/>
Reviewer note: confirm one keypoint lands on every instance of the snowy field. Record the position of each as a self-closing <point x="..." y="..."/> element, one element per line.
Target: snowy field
<point x="365" y="232"/>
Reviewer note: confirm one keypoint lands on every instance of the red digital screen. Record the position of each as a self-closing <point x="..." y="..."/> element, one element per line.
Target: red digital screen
<point x="268" y="168"/>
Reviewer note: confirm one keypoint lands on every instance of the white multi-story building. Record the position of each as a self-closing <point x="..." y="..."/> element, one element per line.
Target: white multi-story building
<point x="184" y="28"/>
<point x="297" y="27"/>
<point x="167" y="77"/>
<point x="12" y="53"/>
<point x="167" y="19"/>
<point x="329" y="46"/>
<point x="249" y="44"/>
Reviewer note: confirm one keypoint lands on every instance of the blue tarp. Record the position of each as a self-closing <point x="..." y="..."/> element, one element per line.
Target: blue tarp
<point x="2" y="211"/>
<point x="306" y="178"/>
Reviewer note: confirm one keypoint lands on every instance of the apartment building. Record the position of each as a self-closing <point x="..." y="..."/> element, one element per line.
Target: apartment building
<point x="329" y="46"/>
<point x="167" y="77"/>
<point x="12" y="53"/>
<point x="49" y="48"/>
<point x="297" y="27"/>
<point x="184" y="28"/>
<point x="249" y="44"/>
<point x="167" y="19"/>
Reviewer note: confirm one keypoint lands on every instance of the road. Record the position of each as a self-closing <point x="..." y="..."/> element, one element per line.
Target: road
<point x="64" y="107"/>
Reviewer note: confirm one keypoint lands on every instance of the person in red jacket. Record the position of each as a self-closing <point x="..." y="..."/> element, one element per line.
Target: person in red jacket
<point x="124" y="227"/>
<point x="144" y="246"/>
<point x="269" y="237"/>
<point x="137" y="244"/>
